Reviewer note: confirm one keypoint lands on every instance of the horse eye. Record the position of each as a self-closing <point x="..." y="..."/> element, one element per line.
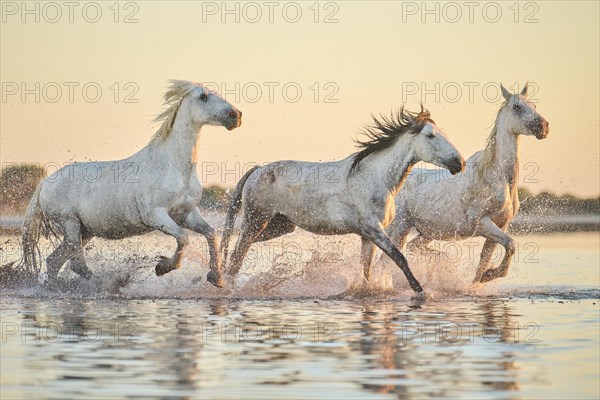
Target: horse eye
<point x="516" y="107"/>
<point x="203" y="97"/>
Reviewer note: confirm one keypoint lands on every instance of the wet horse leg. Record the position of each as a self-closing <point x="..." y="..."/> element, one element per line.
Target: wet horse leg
<point x="70" y="249"/>
<point x="490" y="231"/>
<point x="377" y="235"/>
<point x="279" y="225"/>
<point x="252" y="226"/>
<point x="164" y="223"/>
<point x="484" y="259"/>
<point x="197" y="223"/>
<point x="56" y="259"/>
<point x="367" y="253"/>
<point x="77" y="262"/>
<point x="420" y="242"/>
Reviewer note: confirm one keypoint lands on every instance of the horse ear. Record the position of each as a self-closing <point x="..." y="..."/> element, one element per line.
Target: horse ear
<point x="505" y="92"/>
<point x="524" y="91"/>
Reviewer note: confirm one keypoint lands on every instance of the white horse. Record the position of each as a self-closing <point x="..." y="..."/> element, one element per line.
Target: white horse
<point x="482" y="201"/>
<point x="353" y="195"/>
<point x="155" y="189"/>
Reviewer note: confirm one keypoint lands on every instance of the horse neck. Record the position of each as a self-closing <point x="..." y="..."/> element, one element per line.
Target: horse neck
<point x="501" y="155"/>
<point x="180" y="148"/>
<point x="392" y="164"/>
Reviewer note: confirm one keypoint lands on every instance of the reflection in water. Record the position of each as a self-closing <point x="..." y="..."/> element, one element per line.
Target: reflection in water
<point x="394" y="343"/>
<point x="259" y="349"/>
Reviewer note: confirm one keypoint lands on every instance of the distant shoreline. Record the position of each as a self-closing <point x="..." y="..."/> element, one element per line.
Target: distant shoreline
<point x="523" y="224"/>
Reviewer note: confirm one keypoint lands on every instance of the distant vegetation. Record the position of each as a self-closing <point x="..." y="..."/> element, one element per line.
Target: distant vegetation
<point x="18" y="182"/>
<point x="550" y="204"/>
<point x="214" y="198"/>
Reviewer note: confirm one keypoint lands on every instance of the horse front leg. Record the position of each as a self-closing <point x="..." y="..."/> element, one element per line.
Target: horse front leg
<point x="195" y="222"/>
<point x="492" y="232"/>
<point x="398" y="232"/>
<point x="164" y="223"/>
<point x="377" y="235"/>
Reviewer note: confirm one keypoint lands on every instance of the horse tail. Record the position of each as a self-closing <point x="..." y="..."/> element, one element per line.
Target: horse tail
<point x="33" y="225"/>
<point x="232" y="211"/>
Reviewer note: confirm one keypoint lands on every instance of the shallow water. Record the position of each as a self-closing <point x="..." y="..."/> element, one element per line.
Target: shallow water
<point x="299" y="323"/>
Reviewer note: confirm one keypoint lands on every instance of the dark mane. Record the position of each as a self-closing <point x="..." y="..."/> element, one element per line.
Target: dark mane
<point x="385" y="130"/>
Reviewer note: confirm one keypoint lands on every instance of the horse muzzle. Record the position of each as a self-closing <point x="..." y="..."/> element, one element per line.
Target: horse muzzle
<point x="456" y="166"/>
<point x="541" y="129"/>
<point x="235" y="120"/>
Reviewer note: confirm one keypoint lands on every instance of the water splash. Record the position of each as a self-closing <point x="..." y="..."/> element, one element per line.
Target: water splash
<point x="296" y="266"/>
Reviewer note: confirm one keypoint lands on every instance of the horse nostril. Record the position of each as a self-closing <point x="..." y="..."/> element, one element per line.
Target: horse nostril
<point x="235" y="114"/>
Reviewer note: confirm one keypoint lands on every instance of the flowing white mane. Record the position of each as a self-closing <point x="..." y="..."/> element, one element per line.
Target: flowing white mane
<point x="173" y="98"/>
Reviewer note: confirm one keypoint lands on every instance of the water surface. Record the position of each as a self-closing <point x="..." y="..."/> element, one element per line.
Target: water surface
<point x="298" y="328"/>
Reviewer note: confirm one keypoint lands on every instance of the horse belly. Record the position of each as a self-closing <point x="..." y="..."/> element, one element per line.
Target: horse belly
<point x="442" y="218"/>
<point x="452" y="227"/>
<point x="112" y="220"/>
<point x="322" y="218"/>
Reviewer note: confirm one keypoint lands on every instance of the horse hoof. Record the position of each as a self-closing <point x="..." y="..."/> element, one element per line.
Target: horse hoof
<point x="82" y="271"/>
<point x="51" y="284"/>
<point x="215" y="278"/>
<point x="85" y="274"/>
<point x="420" y="296"/>
<point x="163" y="267"/>
<point x="489" y="275"/>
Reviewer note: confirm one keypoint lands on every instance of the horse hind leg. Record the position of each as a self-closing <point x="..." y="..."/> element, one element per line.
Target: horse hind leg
<point x="420" y="242"/>
<point x="484" y="259"/>
<point x="77" y="262"/>
<point x="490" y="231"/>
<point x="398" y="232"/>
<point x="279" y="225"/>
<point x="56" y="260"/>
<point x="367" y="253"/>
<point x="252" y="227"/>
<point x="71" y="249"/>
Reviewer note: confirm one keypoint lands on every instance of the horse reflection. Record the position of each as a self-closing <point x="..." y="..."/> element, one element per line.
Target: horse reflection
<point x="432" y="353"/>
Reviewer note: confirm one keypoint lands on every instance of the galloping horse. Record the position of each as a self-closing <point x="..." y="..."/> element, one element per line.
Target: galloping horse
<point x="357" y="198"/>
<point x="162" y="193"/>
<point x="482" y="201"/>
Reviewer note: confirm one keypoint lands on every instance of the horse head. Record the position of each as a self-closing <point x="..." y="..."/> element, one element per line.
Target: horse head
<point x="432" y="145"/>
<point x="520" y="115"/>
<point x="207" y="107"/>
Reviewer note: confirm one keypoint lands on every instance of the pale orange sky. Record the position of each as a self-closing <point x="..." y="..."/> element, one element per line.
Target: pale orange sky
<point x="369" y="56"/>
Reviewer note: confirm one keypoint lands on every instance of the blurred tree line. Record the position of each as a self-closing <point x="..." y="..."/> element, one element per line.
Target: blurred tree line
<point x="18" y="182"/>
<point x="546" y="203"/>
